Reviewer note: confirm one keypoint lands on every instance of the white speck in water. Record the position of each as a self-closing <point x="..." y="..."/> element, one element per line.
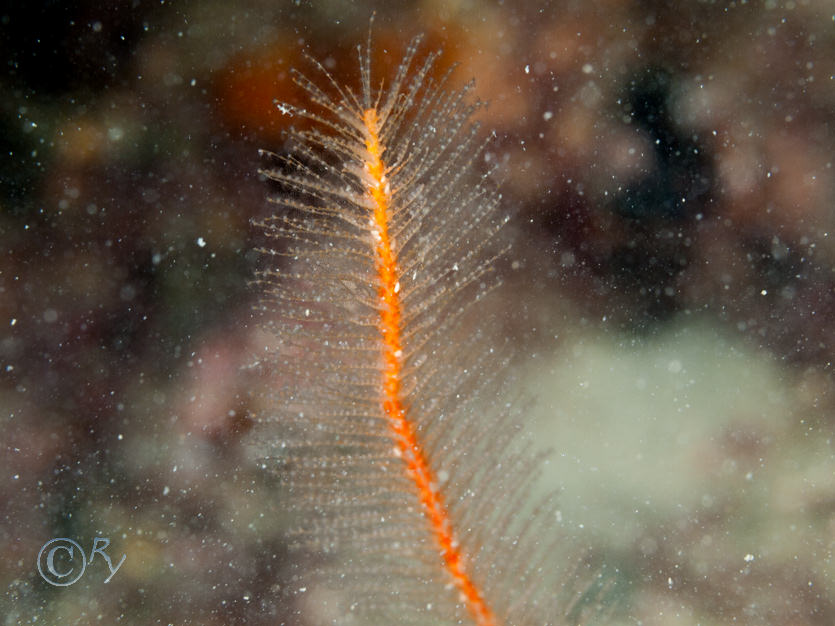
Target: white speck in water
<point x="527" y="69"/>
<point x="201" y="242"/>
<point x="166" y="490"/>
<point x="748" y="557"/>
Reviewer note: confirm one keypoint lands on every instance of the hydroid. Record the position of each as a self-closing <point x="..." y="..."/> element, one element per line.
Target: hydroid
<point x="401" y="459"/>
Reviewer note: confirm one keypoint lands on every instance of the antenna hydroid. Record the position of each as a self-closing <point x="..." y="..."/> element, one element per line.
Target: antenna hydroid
<point x="403" y="463"/>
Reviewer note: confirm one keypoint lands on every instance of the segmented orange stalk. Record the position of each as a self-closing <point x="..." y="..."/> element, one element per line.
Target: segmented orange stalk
<point x="402" y="460"/>
<point x="402" y="427"/>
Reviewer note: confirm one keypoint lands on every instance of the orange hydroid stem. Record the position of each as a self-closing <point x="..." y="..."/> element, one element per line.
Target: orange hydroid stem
<point x="408" y="447"/>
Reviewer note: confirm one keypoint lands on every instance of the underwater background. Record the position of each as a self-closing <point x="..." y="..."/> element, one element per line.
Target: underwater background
<point x="671" y="288"/>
